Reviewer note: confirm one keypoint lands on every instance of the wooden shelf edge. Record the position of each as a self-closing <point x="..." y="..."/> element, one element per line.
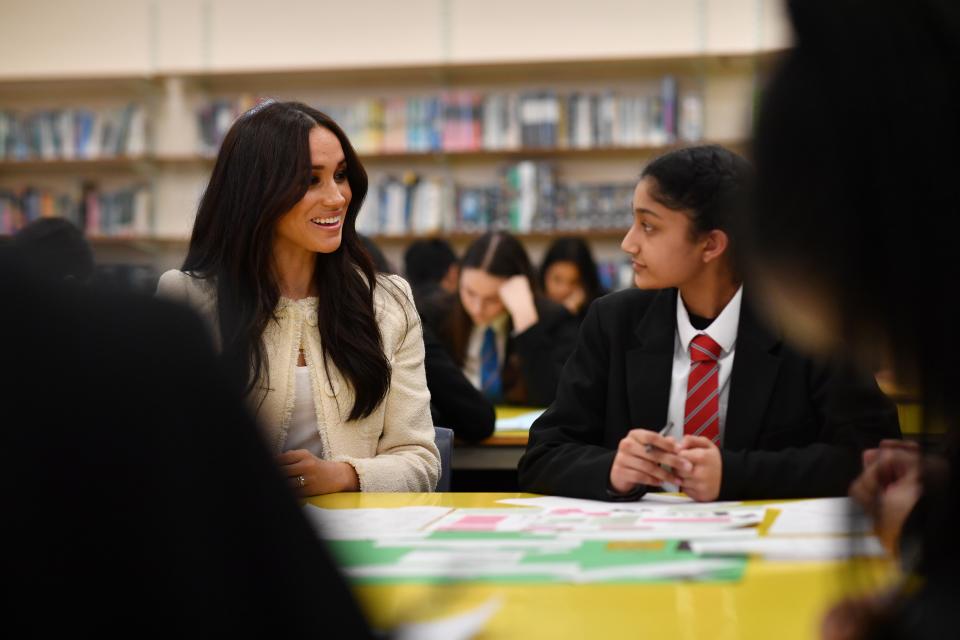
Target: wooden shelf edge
<point x="400" y="156"/>
<point x="380" y="72"/>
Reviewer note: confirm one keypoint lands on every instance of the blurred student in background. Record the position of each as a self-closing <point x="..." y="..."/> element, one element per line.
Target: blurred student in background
<point x="330" y="354"/>
<point x="508" y="340"/>
<point x="454" y="402"/>
<point x="380" y="261"/>
<point x="855" y="244"/>
<point x="55" y="248"/>
<point x="431" y="267"/>
<point x="569" y="275"/>
<point x="143" y="501"/>
<point x="739" y="414"/>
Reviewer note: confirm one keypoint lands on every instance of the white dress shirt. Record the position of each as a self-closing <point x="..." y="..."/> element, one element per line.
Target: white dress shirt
<point x="471" y="364"/>
<point x="723" y="331"/>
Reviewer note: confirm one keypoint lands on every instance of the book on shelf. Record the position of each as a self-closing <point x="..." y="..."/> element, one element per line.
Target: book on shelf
<point x="73" y="134"/>
<point x="464" y="120"/>
<point x="124" y="212"/>
<point x="528" y="197"/>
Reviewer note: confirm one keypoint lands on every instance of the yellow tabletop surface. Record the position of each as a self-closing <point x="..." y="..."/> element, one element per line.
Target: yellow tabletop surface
<point x="774" y="600"/>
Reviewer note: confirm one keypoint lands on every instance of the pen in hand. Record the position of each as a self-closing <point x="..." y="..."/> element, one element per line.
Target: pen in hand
<point x="665" y="430"/>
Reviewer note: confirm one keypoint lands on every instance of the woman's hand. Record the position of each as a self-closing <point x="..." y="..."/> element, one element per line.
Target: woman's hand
<point x="310" y="476"/>
<point x="517" y="297"/>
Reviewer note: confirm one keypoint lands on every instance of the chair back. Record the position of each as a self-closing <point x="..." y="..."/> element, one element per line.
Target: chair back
<point x="443" y="438"/>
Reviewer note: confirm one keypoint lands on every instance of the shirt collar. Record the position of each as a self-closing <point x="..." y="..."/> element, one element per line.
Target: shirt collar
<point x="723" y="329"/>
<point x="499" y="324"/>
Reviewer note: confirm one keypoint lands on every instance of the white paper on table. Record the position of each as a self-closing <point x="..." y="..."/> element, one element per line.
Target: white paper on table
<point x="460" y="571"/>
<point x="820" y="516"/>
<point x="522" y="422"/>
<point x="662" y="501"/>
<point x="372" y="524"/>
<point x="561" y="571"/>
<point x="661" y="534"/>
<point x="461" y="626"/>
<point x="787" y="548"/>
<point x="486" y="520"/>
<point x="542" y="545"/>
<point x="472" y="557"/>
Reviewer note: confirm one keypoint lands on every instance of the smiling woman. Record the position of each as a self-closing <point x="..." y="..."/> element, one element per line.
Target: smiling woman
<point x="319" y="341"/>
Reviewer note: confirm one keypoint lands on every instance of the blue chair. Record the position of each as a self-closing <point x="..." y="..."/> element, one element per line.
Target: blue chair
<point x="443" y="438"/>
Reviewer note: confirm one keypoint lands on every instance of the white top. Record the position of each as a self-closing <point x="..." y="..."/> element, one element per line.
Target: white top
<point x="304" y="429"/>
<point x="723" y="331"/>
<point x="471" y="364"/>
<point x="393" y="448"/>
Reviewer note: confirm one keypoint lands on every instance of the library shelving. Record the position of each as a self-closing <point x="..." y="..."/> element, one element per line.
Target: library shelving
<point x="174" y="159"/>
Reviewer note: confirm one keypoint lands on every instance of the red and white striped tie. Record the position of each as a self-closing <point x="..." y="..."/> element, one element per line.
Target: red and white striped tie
<point x="701" y="415"/>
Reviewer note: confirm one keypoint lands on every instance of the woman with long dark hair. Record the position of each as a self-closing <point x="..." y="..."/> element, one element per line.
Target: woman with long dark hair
<point x="508" y="340"/>
<point x="329" y="353"/>
<point x="568" y="275"/>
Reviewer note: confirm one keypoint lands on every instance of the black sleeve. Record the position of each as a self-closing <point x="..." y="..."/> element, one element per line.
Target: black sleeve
<point x="565" y="454"/>
<point x="543" y="350"/>
<point x="454" y="402"/>
<point x="849" y="414"/>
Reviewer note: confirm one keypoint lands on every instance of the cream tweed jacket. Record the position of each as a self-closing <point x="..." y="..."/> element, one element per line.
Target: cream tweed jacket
<point x="393" y="448"/>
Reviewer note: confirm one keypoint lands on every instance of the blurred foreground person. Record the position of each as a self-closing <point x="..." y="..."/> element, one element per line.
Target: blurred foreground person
<point x="858" y="212"/>
<point x="138" y="496"/>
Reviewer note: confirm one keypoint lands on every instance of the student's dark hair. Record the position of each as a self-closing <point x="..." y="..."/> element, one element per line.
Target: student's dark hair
<point x="854" y="202"/>
<point x="709" y="183"/>
<point x="56" y="249"/>
<point x="427" y="261"/>
<point x="498" y="254"/>
<point x="855" y="148"/>
<point x="262" y="170"/>
<point x="576" y="250"/>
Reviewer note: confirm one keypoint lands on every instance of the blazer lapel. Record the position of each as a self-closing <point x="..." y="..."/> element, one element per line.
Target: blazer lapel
<point x="755" y="368"/>
<point x="649" y="365"/>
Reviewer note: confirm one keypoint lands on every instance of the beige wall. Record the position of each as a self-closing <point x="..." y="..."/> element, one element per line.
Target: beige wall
<point x="54" y="38"/>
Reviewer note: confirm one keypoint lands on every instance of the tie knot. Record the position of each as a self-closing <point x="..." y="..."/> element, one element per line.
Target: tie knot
<point x="703" y="348"/>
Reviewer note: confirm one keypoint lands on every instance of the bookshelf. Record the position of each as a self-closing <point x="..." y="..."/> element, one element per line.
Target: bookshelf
<point x="193" y="57"/>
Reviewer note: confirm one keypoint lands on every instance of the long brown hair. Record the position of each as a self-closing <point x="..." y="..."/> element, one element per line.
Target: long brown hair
<point x="263" y="169"/>
<point x="499" y="254"/>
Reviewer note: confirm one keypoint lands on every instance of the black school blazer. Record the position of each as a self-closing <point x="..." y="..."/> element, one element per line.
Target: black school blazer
<point x="794" y="427"/>
<point x="533" y="360"/>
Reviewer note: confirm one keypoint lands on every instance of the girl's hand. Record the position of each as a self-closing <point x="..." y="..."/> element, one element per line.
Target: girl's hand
<point x="574" y="301"/>
<point x="640" y="455"/>
<point x="517" y="297"/>
<point x="702" y="482"/>
<point x="310" y="476"/>
<point x="888" y="488"/>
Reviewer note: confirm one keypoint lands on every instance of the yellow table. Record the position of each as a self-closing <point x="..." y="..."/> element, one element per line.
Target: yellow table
<point x="780" y="600"/>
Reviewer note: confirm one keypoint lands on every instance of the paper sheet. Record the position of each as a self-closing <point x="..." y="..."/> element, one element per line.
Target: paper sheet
<point x="371" y="524"/>
<point x="522" y="422"/>
<point x="456" y="568"/>
<point x="649" y="501"/>
<point x="461" y="626"/>
<point x="820" y="516"/>
<point x="822" y="548"/>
